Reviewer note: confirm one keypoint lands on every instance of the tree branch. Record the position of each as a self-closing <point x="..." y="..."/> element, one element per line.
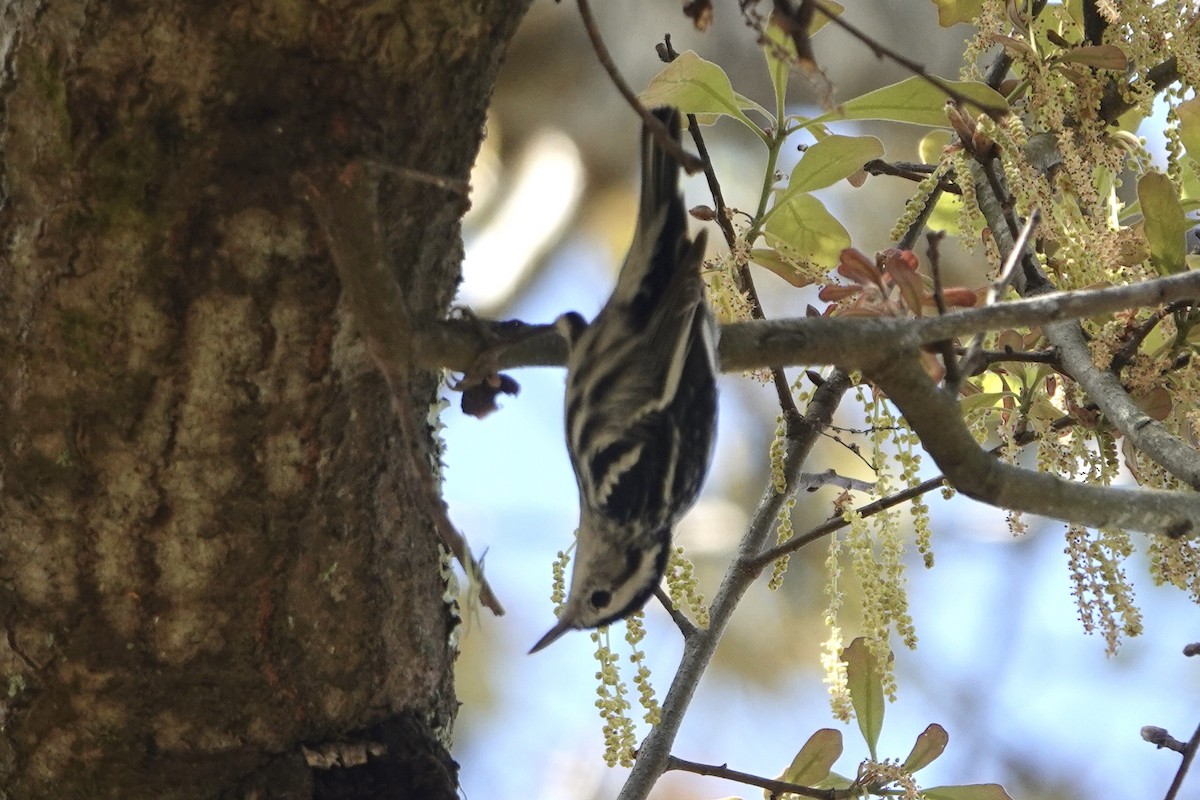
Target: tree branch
<point x="935" y="416"/>
<point x="776" y="788"/>
<point x="1102" y="386"/>
<point x="1105" y="390"/>
<point x="848" y="342"/>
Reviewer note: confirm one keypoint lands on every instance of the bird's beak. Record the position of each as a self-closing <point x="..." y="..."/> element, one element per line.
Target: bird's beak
<point x="564" y="624"/>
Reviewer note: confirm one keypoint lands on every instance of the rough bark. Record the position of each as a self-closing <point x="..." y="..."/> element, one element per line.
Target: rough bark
<point x="212" y="550"/>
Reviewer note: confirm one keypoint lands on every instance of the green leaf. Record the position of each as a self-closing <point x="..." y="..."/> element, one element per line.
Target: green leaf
<point x="835" y="781"/>
<point x="913" y="100"/>
<point x="696" y="86"/>
<point x="863" y="679"/>
<point x="780" y="49"/>
<point x="981" y="401"/>
<point x="776" y="44"/>
<point x="945" y="216"/>
<point x="974" y="791"/>
<point x="952" y="12"/>
<point x="928" y="747"/>
<point x="780" y="266"/>
<point x="1189" y="125"/>
<point x="815" y="759"/>
<point x="831" y="159"/>
<point x="1100" y="56"/>
<point x="933" y="146"/>
<point x="1164" y="221"/>
<point x="820" y="20"/>
<point x="804" y="230"/>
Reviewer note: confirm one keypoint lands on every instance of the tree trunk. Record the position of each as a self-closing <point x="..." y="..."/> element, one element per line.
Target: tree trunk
<point x="217" y="574"/>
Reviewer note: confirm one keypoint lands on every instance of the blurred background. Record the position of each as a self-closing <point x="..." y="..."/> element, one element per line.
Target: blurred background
<point x="1003" y="664"/>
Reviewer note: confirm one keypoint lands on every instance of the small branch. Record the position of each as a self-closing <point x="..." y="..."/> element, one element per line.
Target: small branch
<point x="850" y="342"/>
<point x="1105" y="390"/>
<point x="1160" y="76"/>
<point x="811" y="481"/>
<point x="1162" y="739"/>
<point x="681" y="621"/>
<point x="881" y="51"/>
<point x="686" y="160"/>
<point x="935" y="417"/>
<point x="882" y="504"/>
<point x="795" y="544"/>
<point x="999" y="286"/>
<point x="1122" y="357"/>
<point x="987" y="357"/>
<point x="945" y="347"/>
<point x="1189" y="755"/>
<point x="773" y="786"/>
<point x="452" y="185"/>
<point x="911" y="170"/>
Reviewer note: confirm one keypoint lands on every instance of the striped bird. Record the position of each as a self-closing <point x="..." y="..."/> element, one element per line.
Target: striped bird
<point x="641" y="405"/>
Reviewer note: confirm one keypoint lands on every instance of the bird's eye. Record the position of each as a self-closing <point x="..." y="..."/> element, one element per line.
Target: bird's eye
<point x="600" y="599"/>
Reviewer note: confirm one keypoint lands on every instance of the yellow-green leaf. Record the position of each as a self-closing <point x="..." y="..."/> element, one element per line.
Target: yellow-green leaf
<point x="928" y="747"/>
<point x="1164" y="221"/>
<point x="1100" y="56"/>
<point x="695" y="86"/>
<point x="780" y="266"/>
<point x="831" y="159"/>
<point x="835" y="781"/>
<point x="952" y="12"/>
<point x="914" y="100"/>
<point x="815" y="759"/>
<point x="1043" y="409"/>
<point x="820" y="20"/>
<point x="1189" y="125"/>
<point x="933" y="146"/>
<point x="780" y="49"/>
<point x="804" y="230"/>
<point x="982" y="400"/>
<point x="974" y="791"/>
<point x="864" y="680"/>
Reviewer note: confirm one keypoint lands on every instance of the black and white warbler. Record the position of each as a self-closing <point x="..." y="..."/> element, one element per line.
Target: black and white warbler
<point x="641" y="405"/>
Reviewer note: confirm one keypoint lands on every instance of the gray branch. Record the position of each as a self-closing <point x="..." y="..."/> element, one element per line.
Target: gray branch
<point x="935" y="416"/>
<point x="850" y="342"/>
<point x="1105" y="390"/>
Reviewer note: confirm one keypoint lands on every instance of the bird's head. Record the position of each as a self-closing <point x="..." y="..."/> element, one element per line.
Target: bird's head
<point x="612" y="576"/>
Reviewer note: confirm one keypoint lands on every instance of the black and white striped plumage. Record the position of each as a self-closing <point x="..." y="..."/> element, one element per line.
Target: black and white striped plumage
<point x="641" y="405"/>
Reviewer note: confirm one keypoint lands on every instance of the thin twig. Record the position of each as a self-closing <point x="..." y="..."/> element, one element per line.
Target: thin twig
<point x="881" y="51"/>
<point x="685" y="625"/>
<point x="987" y="357"/>
<point x="453" y="185"/>
<point x="1123" y="356"/>
<point x="833" y="524"/>
<point x="945" y="347"/>
<point x="911" y="170"/>
<point x="999" y="286"/>
<point x="667" y="142"/>
<point x="776" y="788"/>
<point x="1189" y="754"/>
